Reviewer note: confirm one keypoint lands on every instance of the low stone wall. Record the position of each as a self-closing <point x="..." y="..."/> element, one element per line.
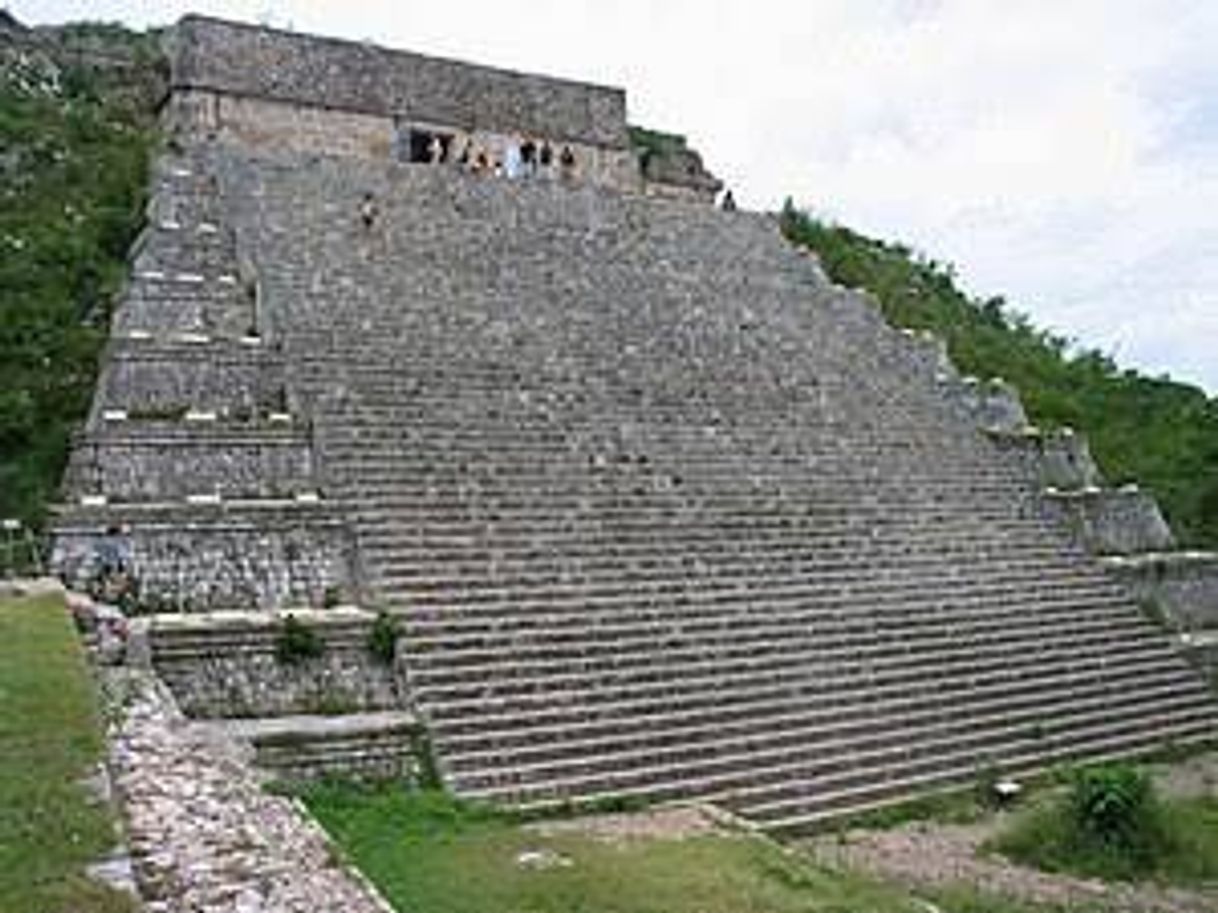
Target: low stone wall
<point x="204" y="557"/>
<point x="365" y="746"/>
<point x="225" y="664"/>
<point x="1184" y="585"/>
<point x="1125" y="521"/>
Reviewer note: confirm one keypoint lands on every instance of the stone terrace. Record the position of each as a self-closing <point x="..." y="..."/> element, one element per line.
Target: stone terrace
<point x="666" y="514"/>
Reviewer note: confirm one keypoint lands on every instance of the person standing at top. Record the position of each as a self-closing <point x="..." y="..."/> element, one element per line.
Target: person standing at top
<point x="528" y="157"/>
<point x="513" y="164"/>
<point x="435" y="150"/>
<point x="368" y="210"/>
<point x="566" y="162"/>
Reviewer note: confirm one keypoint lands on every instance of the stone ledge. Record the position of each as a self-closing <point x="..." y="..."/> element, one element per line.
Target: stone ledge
<point x="241" y="620"/>
<point x="136" y="433"/>
<point x="234" y="514"/>
<point x="1184" y="559"/>
<point x="287" y="729"/>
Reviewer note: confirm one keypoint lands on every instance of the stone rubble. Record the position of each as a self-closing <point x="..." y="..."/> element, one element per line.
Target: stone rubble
<point x="204" y="835"/>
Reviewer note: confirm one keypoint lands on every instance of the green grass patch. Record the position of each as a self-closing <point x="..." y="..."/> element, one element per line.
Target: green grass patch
<point x="1110" y="824"/>
<point x="426" y="851"/>
<point x="49" y="739"/>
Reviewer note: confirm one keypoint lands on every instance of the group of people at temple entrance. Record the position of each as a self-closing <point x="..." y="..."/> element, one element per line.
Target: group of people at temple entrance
<point x="517" y="157"/>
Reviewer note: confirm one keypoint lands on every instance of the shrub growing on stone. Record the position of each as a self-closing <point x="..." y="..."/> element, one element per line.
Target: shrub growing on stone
<point x="383" y="638"/>
<point x="297" y="642"/>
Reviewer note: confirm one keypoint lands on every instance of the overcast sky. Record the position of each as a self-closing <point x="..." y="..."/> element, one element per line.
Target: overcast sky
<point x="1063" y="153"/>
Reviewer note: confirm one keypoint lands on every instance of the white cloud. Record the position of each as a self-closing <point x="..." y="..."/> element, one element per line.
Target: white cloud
<point x="1061" y="152"/>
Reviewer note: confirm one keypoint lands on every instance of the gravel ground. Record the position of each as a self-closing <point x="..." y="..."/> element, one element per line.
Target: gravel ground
<point x="927" y="853"/>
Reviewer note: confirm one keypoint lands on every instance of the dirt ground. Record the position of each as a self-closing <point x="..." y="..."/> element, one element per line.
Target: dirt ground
<point x="928" y="853"/>
<point x="664" y="822"/>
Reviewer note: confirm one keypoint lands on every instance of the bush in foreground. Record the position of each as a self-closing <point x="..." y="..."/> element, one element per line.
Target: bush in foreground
<point x="1111" y="824"/>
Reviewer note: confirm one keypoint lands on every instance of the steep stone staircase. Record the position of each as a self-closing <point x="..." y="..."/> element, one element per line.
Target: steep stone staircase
<point x="665" y="514"/>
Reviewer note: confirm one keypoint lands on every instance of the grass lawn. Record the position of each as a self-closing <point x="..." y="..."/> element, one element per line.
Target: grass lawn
<point x="49" y="738"/>
<point x="425" y="851"/>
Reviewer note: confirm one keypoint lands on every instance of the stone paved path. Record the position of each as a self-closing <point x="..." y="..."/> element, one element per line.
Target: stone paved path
<point x="204" y="836"/>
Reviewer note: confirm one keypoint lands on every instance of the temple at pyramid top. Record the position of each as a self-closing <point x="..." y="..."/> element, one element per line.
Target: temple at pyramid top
<point x="287" y="91"/>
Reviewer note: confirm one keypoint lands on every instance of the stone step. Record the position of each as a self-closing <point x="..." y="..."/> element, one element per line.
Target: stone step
<point x="750" y="778"/>
<point x="468" y="589"/>
<point x="449" y="693"/>
<point x="511" y="725"/>
<point x="834" y="745"/>
<point x="1085" y="738"/>
<point x="869" y="602"/>
<point x="303" y="748"/>
<point x="520" y="532"/>
<point x="741" y="632"/>
<point x="850" y="712"/>
<point x="847" y="803"/>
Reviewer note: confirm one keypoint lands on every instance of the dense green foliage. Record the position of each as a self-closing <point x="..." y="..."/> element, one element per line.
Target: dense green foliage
<point x="74" y="149"/>
<point x="1109" y="823"/>
<point x="655" y="142"/>
<point x="49" y="739"/>
<point x="1162" y="434"/>
<point x="1114" y="804"/>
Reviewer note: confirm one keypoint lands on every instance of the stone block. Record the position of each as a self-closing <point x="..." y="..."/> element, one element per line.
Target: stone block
<point x="1181" y="585"/>
<point x="1112" y="522"/>
<point x="224" y="664"/>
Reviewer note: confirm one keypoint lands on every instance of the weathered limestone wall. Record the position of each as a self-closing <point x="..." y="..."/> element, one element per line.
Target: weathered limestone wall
<point x="1184" y="584"/>
<point x="1124" y="521"/>
<point x="1066" y="462"/>
<point x="203" y="557"/>
<point x="224" y="664"/>
<point x="1059" y="460"/>
<point x="993" y="405"/>
<point x="242" y="60"/>
<point x="171" y="462"/>
<point x="273" y="125"/>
